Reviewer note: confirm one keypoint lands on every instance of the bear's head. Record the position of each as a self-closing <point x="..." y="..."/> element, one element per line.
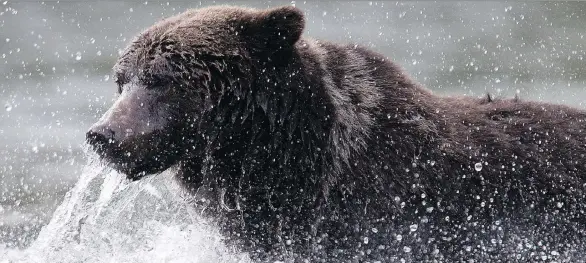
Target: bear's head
<point x="179" y="75"/>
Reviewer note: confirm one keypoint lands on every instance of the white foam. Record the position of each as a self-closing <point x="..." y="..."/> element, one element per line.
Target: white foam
<point x="105" y="218"/>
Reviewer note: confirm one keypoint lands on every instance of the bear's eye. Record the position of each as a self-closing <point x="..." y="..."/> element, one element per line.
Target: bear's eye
<point x="119" y="84"/>
<point x="120" y="81"/>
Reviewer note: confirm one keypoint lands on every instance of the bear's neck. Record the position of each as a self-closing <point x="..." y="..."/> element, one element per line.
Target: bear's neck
<point x="271" y="142"/>
<point x="299" y="127"/>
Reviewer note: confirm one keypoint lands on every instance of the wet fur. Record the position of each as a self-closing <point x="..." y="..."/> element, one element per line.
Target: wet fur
<point x="309" y="149"/>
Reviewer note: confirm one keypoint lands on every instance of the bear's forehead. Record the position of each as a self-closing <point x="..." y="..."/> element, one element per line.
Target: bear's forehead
<point x="201" y="22"/>
<point x="207" y="31"/>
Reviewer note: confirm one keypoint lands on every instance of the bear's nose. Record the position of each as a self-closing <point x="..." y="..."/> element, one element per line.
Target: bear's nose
<point x="100" y="136"/>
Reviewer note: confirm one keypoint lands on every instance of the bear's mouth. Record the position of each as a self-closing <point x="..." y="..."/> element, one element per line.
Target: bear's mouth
<point x="136" y="158"/>
<point x="106" y="148"/>
<point x="123" y="161"/>
<point x="111" y="153"/>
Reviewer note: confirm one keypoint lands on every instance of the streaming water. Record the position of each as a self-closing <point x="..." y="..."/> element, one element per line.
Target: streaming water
<point x="106" y="218"/>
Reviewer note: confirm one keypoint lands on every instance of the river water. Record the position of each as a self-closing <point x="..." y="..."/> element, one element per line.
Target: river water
<point x="56" y="59"/>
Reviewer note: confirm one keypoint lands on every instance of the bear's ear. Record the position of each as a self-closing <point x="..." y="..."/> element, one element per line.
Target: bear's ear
<point x="277" y="28"/>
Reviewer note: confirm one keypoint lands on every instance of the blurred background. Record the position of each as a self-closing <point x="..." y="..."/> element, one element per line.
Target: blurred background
<point x="56" y="59"/>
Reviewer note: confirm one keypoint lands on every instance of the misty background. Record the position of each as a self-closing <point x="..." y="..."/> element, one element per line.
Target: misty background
<point x="56" y="60"/>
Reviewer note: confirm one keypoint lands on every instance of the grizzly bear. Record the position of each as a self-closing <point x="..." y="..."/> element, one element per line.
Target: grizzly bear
<point x="309" y="151"/>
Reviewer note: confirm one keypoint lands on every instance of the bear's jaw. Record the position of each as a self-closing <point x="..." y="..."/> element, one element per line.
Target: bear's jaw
<point x="138" y="156"/>
<point x="136" y="169"/>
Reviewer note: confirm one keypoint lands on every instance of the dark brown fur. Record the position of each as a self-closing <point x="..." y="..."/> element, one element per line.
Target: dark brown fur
<point x="312" y="150"/>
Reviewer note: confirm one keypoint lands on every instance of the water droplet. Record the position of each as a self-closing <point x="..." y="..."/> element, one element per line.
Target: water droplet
<point x="7" y="40"/>
<point x="288" y="242"/>
<point x="106" y="77"/>
<point x="35" y="149"/>
<point x="78" y="55"/>
<point x="8" y="107"/>
<point x="365" y="240"/>
<point x="99" y="53"/>
<point x="374" y="230"/>
<point x="407" y="249"/>
<point x="399" y="237"/>
<point x="131" y="10"/>
<point x="478" y="167"/>
<point x="413" y="227"/>
<point x="92" y="40"/>
<point x="560" y="204"/>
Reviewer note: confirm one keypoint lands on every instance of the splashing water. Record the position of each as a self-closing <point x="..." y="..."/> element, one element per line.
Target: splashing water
<point x="105" y="218"/>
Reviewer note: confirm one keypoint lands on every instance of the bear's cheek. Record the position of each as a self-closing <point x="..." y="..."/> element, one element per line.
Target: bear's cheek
<point x="138" y="149"/>
<point x="144" y="146"/>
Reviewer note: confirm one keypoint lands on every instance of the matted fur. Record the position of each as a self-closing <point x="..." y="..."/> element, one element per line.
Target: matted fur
<point x="310" y="150"/>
